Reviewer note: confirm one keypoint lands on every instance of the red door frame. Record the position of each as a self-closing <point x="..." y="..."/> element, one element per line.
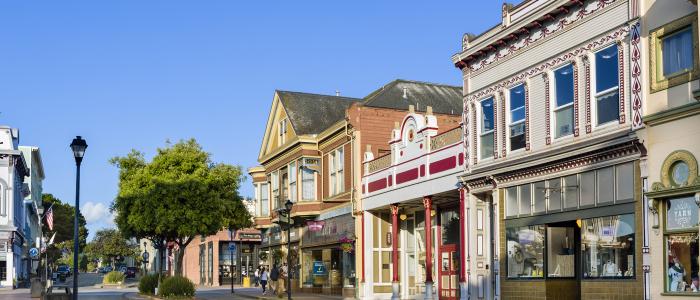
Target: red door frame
<point x="452" y="271"/>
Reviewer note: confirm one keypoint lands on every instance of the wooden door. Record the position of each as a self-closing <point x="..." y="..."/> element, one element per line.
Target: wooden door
<point x="449" y="272"/>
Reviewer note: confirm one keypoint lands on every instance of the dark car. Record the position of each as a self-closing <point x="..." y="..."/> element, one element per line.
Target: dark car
<point x="130" y="272"/>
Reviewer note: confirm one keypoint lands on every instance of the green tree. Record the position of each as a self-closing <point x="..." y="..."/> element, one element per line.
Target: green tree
<point x="109" y="244"/>
<point x="63" y="217"/>
<point x="178" y="195"/>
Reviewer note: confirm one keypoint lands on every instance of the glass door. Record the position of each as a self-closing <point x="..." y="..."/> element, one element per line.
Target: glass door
<point x="449" y="272"/>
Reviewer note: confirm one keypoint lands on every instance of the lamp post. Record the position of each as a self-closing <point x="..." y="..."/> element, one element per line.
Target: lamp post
<point x="145" y="258"/>
<point x="78" y="146"/>
<point x="288" y="209"/>
<point x="230" y="267"/>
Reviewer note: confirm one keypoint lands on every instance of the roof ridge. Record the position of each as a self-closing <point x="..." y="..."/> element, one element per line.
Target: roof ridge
<point x="428" y="82"/>
<point x="316" y="94"/>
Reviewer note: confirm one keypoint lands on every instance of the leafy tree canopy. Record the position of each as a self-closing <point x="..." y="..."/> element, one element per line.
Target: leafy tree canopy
<point x="63" y="217"/>
<point x="109" y="244"/>
<point x="178" y="195"/>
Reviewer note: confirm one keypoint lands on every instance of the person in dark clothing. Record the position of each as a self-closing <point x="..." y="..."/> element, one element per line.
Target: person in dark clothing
<point x="274" y="277"/>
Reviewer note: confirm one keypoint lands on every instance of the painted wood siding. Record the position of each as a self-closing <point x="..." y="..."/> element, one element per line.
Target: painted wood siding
<point x="537" y="112"/>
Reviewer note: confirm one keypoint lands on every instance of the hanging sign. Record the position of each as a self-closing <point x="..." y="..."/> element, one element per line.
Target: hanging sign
<point x="315" y="225"/>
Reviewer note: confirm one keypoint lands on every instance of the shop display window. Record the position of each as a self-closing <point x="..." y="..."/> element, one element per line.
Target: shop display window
<point x="525" y="199"/>
<point x="571" y="193"/>
<point x="607" y="247"/>
<point x="561" y="250"/>
<point x="525" y="248"/>
<point x="681" y="235"/>
<point x="540" y="199"/>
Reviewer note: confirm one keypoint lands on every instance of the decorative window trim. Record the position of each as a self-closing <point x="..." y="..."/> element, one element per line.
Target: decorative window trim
<point x="507" y="117"/>
<point x="573" y="103"/>
<point x="587" y="99"/>
<point x="677" y="156"/>
<point x="503" y="124"/>
<point x="547" y="121"/>
<point x="658" y="81"/>
<point x="593" y="96"/>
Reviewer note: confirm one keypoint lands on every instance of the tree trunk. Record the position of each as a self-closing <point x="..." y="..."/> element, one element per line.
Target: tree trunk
<point x="180" y="254"/>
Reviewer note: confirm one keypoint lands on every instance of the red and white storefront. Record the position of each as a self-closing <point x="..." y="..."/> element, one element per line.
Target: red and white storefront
<point x="414" y="215"/>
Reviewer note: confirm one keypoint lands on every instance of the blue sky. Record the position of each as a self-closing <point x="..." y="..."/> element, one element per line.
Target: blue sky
<point x="131" y="74"/>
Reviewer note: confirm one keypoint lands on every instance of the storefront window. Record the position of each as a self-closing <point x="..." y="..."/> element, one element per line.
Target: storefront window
<point x="607" y="246"/>
<point x="560" y="252"/>
<point x="525" y="251"/>
<point x="682" y="246"/>
<point x="540" y="192"/>
<point x="554" y="195"/>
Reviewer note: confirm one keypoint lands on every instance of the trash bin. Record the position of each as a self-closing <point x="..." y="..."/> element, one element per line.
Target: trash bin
<point x="246" y="281"/>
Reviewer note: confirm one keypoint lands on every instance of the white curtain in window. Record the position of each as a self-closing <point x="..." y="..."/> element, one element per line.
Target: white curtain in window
<point x="678" y="52"/>
<point x="307" y="184"/>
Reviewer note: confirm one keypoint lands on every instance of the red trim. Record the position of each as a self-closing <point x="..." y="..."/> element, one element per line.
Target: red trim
<point x="395" y="242"/>
<point x="390" y="180"/>
<point x="412" y="159"/>
<point x="407" y="175"/>
<point x="422" y="170"/>
<point x="376" y="185"/>
<point x="443" y="165"/>
<point x="426" y="128"/>
<point x="460" y="158"/>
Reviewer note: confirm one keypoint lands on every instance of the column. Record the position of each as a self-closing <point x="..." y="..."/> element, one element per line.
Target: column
<point x="395" y="293"/>
<point x="463" y="240"/>
<point x="427" y="204"/>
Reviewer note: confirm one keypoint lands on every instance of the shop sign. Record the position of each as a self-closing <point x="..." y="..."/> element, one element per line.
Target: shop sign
<point x="249" y="236"/>
<point x="315" y="225"/>
<point x="388" y="238"/>
<point x="682" y="213"/>
<point x="319" y="268"/>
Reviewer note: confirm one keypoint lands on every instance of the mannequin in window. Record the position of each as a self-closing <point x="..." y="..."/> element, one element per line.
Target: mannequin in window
<point x="675" y="276"/>
<point x="515" y="259"/>
<point x="695" y="285"/>
<point x="611" y="269"/>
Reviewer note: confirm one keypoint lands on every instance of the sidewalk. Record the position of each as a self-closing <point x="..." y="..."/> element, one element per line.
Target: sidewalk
<point x="256" y="293"/>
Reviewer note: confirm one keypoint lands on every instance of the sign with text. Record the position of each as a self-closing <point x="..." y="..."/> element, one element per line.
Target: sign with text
<point x="315" y="225"/>
<point x="681" y="213"/>
<point x="319" y="268"/>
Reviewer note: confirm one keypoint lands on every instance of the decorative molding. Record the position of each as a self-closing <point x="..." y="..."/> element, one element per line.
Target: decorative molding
<point x="576" y="125"/>
<point x="547" y="122"/>
<point x="503" y="124"/>
<point x="658" y="81"/>
<point x="615" y="35"/>
<point x="667" y="183"/>
<point x="621" y="83"/>
<point x="527" y="116"/>
<point x="394" y="209"/>
<point x="379" y="163"/>
<point x="465" y="135"/>
<point x="537" y="34"/>
<point x="427" y="202"/>
<point x="445" y="139"/>
<point x="476" y="153"/>
<point x="635" y="59"/>
<point x="587" y="100"/>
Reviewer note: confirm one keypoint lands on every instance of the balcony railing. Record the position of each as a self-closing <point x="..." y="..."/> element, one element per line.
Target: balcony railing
<point x="446" y="138"/>
<point x="379" y="163"/>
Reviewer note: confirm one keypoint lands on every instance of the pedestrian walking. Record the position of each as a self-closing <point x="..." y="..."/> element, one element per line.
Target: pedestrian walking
<point x="274" y="279"/>
<point x="256" y="276"/>
<point x="263" y="279"/>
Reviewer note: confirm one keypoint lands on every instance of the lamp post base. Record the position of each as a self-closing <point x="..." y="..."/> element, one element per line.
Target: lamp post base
<point x="463" y="291"/>
<point x="428" y="290"/>
<point x="395" y="293"/>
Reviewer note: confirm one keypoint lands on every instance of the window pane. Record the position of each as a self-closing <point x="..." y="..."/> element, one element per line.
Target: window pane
<point x="606" y="69"/>
<point x="571" y="191"/>
<point x="682" y="259"/>
<point x="564" y="121"/>
<point x="525" y="199"/>
<point x="624" y="182"/>
<point x="525" y="248"/>
<point x="512" y="201"/>
<point x="517" y="136"/>
<point x="605" y="185"/>
<point x="677" y="52"/>
<point x="607" y="246"/>
<point x="307" y="184"/>
<point x="554" y="194"/>
<point x="681" y="213"/>
<point x="608" y="107"/>
<point x="560" y="252"/>
<point x="487" y="115"/>
<point x="564" y="85"/>
<point x="264" y="200"/>
<point x="517" y="103"/>
<point x="539" y="193"/>
<point x="588" y="188"/>
<point x="487" y="145"/>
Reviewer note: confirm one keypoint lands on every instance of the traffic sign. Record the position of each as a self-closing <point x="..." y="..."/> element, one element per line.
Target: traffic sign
<point x="231" y="246"/>
<point x="34" y="252"/>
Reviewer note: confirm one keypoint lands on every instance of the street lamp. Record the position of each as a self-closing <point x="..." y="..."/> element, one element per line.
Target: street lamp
<point x="145" y="258"/>
<point x="230" y="267"/>
<point x="288" y="209"/>
<point x="78" y="146"/>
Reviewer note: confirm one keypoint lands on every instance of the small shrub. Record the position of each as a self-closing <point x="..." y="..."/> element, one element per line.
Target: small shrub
<point x="176" y="286"/>
<point x="113" y="277"/>
<point x="148" y="284"/>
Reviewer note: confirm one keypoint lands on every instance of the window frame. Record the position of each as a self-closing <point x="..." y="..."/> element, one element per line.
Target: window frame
<point x="658" y="81"/>
<point x="302" y="170"/>
<point x="282" y="131"/>
<point x="336" y="171"/>
<point x="556" y="108"/>
<point x="264" y="190"/>
<point x="666" y="234"/>
<point x="492" y="98"/>
<point x="293" y="186"/>
<point x="596" y="94"/>
<point x="509" y="117"/>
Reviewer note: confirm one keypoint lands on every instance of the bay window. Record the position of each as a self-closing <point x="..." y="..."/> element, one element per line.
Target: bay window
<point x="607" y="93"/>
<point x="564" y="100"/>
<point x="308" y="188"/>
<point x="264" y="200"/>
<point x="293" y="181"/>
<point x="487" y="128"/>
<point x="517" y="117"/>
<point x="335" y="169"/>
<point x="275" y="189"/>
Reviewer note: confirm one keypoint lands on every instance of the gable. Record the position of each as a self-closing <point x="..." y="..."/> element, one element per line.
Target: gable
<point x="273" y="140"/>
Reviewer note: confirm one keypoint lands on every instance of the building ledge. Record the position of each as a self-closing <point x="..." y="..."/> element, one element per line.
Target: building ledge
<point x="675" y="113"/>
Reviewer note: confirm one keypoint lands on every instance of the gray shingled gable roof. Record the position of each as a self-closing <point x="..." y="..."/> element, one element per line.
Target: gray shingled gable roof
<point x="444" y="99"/>
<point x="314" y="113"/>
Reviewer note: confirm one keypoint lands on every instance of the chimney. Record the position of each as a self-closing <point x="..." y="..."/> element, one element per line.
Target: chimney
<point x="405" y="93"/>
<point x="337" y="92"/>
<point x="396" y="125"/>
<point x="411" y="108"/>
<point x="429" y="111"/>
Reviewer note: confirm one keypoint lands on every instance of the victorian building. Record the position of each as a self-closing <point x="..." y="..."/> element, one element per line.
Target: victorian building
<point x="33" y="185"/>
<point x="671" y="115"/>
<point x="552" y="188"/>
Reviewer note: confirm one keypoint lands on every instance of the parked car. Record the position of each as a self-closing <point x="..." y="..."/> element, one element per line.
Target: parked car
<point x="131" y="272"/>
<point x="107" y="269"/>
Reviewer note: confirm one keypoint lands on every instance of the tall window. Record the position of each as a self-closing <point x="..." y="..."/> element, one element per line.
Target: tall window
<point x="677" y="52"/>
<point x="283" y="131"/>
<point x="293" y="181"/>
<point x="607" y="245"/>
<point x="275" y="189"/>
<point x="487" y="128"/>
<point x="607" y="85"/>
<point x="525" y="250"/>
<point x="517" y="117"/>
<point x="681" y="235"/>
<point x="264" y="200"/>
<point x="308" y="188"/>
<point x="335" y="169"/>
<point x="564" y="97"/>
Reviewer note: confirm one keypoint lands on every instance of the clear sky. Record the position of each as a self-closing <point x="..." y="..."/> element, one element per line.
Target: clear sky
<point x="131" y="74"/>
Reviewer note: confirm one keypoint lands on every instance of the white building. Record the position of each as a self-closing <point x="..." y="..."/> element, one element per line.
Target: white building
<point x="32" y="202"/>
<point x="13" y="169"/>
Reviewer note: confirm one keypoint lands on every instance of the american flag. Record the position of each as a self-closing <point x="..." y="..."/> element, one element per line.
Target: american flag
<point x="49" y="217"/>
